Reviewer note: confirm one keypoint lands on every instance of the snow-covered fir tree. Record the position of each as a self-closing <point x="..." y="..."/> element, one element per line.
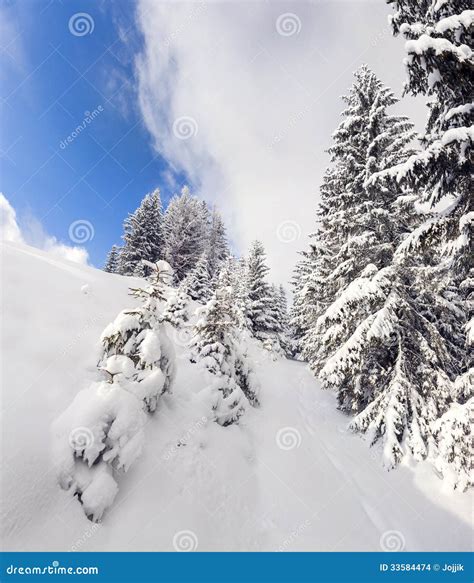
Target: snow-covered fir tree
<point x="217" y="248"/>
<point x="176" y="310"/>
<point x="112" y="263"/>
<point x="231" y="277"/>
<point x="185" y="232"/>
<point x="357" y="225"/>
<point x="301" y="309"/>
<point x="440" y="65"/>
<point x="259" y="301"/>
<point x="142" y="236"/>
<point x="284" y="332"/>
<point x="198" y="282"/>
<point x="101" y="433"/>
<point x="372" y="338"/>
<point x="216" y="347"/>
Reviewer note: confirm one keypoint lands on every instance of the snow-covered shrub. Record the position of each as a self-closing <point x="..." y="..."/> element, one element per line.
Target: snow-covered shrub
<point x="215" y="347"/>
<point x="101" y="432"/>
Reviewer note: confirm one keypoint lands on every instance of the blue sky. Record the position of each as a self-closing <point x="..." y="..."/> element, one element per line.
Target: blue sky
<point x="263" y="101"/>
<point x="50" y="80"/>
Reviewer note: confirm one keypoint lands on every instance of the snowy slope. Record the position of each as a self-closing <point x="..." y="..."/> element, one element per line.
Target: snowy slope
<point x="289" y="477"/>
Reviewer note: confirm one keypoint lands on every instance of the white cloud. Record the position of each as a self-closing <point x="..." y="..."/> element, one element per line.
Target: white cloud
<point x="33" y="233"/>
<point x="265" y="104"/>
<point x="9" y="229"/>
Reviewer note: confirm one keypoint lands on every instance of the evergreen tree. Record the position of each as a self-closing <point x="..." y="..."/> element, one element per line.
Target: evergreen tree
<point x="217" y="247"/>
<point x="358" y="224"/>
<point x="198" y="282"/>
<point x="176" y="308"/>
<point x="231" y="277"/>
<point x="185" y="233"/>
<point x="301" y="310"/>
<point x="215" y="346"/>
<point x="142" y="236"/>
<point x="112" y="264"/>
<point x="440" y="64"/>
<point x="259" y="312"/>
<point x="101" y="434"/>
<point x="372" y="337"/>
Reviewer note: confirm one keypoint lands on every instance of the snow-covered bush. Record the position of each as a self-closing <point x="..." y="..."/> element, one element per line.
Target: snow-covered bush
<point x="215" y="346"/>
<point x="101" y="433"/>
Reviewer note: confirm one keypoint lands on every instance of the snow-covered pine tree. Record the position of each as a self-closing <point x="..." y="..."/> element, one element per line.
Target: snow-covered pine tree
<point x="143" y="237"/>
<point x="259" y="301"/>
<point x="198" y="282"/>
<point x="216" y="347"/>
<point x="101" y="433"/>
<point x="176" y="308"/>
<point x="282" y="316"/>
<point x="112" y="263"/>
<point x="440" y="64"/>
<point x="185" y="232"/>
<point x="230" y="277"/>
<point x="372" y="338"/>
<point x="358" y="225"/>
<point x="217" y="247"/>
<point x="300" y="319"/>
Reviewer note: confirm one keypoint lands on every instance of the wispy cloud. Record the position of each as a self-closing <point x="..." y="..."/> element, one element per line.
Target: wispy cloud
<point x="32" y="233"/>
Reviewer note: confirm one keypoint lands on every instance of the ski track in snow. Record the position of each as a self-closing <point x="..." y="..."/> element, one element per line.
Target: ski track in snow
<point x="290" y="477"/>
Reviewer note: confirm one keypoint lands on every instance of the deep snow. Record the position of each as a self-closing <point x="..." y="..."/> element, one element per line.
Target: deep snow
<point x="289" y="477"/>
